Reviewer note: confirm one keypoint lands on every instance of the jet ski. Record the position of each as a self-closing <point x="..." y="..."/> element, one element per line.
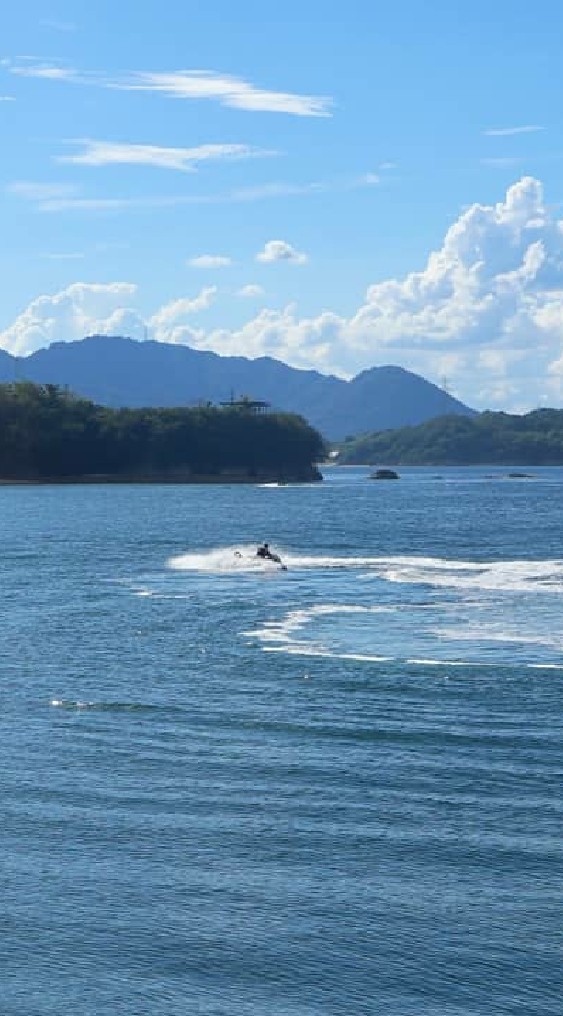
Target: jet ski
<point x="265" y="554"/>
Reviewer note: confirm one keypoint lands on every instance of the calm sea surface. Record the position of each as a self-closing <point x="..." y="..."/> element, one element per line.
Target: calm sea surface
<point x="230" y="790"/>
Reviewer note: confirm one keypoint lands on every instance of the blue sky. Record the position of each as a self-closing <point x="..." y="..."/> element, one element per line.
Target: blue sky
<point x="339" y="186"/>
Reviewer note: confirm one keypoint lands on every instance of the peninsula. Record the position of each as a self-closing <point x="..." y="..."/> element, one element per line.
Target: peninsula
<point x="49" y="435"/>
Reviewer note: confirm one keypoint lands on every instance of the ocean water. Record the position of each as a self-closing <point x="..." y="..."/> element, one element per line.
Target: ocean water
<point x="231" y="789"/>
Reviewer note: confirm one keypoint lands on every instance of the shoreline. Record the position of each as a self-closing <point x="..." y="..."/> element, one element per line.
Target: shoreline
<point x="312" y="476"/>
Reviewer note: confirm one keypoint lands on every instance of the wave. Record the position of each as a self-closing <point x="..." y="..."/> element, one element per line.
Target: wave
<point x="423" y="639"/>
<point x="297" y="650"/>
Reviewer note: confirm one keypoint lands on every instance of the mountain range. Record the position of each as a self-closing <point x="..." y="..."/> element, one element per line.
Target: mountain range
<point x="117" y="371"/>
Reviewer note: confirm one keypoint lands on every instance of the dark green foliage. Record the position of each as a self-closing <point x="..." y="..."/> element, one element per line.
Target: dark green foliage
<point x="47" y="432"/>
<point x="491" y="438"/>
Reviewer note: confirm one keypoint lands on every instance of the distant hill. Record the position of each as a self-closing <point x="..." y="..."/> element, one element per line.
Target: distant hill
<point x="489" y="439"/>
<point x="116" y="372"/>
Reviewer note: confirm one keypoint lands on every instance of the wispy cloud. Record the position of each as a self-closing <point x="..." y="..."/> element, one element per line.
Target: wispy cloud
<point x="251" y="291"/>
<point x="281" y="189"/>
<point x="508" y="132"/>
<point x="63" y="257"/>
<point x="108" y="153"/>
<point x="7" y="98"/>
<point x="210" y="261"/>
<point x="67" y="198"/>
<point x="42" y="192"/>
<point x="279" y="250"/>
<point x="58" y="26"/>
<point x="226" y="89"/>
<point x="47" y="71"/>
<point x="502" y="161"/>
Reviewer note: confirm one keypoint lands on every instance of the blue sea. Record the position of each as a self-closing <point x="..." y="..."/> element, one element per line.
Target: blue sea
<point x="232" y="790"/>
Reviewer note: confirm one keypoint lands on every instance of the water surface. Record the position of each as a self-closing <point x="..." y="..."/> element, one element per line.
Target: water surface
<point x="229" y="789"/>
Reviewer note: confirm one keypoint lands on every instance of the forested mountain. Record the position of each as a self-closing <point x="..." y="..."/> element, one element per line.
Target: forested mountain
<point x="491" y="438"/>
<point x="47" y="433"/>
<point x="115" y="371"/>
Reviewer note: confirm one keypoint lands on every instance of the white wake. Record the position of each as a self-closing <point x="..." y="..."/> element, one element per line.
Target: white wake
<point x="510" y="575"/>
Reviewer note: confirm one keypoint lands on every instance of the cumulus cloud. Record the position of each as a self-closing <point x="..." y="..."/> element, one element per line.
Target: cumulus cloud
<point x="279" y="250"/>
<point x="171" y="322"/>
<point x="102" y="309"/>
<point x="486" y="310"/>
<point x="79" y="310"/>
<point x="210" y="261"/>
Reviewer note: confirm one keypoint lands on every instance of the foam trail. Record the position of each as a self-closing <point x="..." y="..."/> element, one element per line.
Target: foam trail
<point x="484" y="632"/>
<point x="296" y="620"/>
<point x="439" y="573"/>
<point x="305" y="632"/>
<point x="302" y="650"/>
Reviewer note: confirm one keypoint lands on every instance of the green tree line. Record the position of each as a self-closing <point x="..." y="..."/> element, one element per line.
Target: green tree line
<point x="535" y="438"/>
<point x="47" y="432"/>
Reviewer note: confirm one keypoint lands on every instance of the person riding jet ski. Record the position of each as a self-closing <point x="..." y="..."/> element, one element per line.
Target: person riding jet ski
<point x="265" y="553"/>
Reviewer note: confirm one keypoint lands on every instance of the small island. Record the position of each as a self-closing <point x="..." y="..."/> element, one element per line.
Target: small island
<point x="48" y="435"/>
<point x="533" y="439"/>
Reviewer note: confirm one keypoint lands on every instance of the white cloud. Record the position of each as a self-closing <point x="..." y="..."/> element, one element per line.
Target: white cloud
<point x="486" y="311"/>
<point x="47" y="72"/>
<point x="58" y="26"/>
<point x="251" y="291"/>
<point x="508" y="132"/>
<point x="171" y="322"/>
<point x="279" y="250"/>
<point x="210" y="261"/>
<point x="225" y="89"/>
<point x="7" y="98"/>
<point x="64" y="257"/>
<point x="79" y="310"/>
<point x="108" y="153"/>
<point x="41" y="193"/>
<point x="65" y="198"/>
<point x="502" y="162"/>
<point x="102" y="309"/>
<point x="174" y="313"/>
<point x="72" y="202"/>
